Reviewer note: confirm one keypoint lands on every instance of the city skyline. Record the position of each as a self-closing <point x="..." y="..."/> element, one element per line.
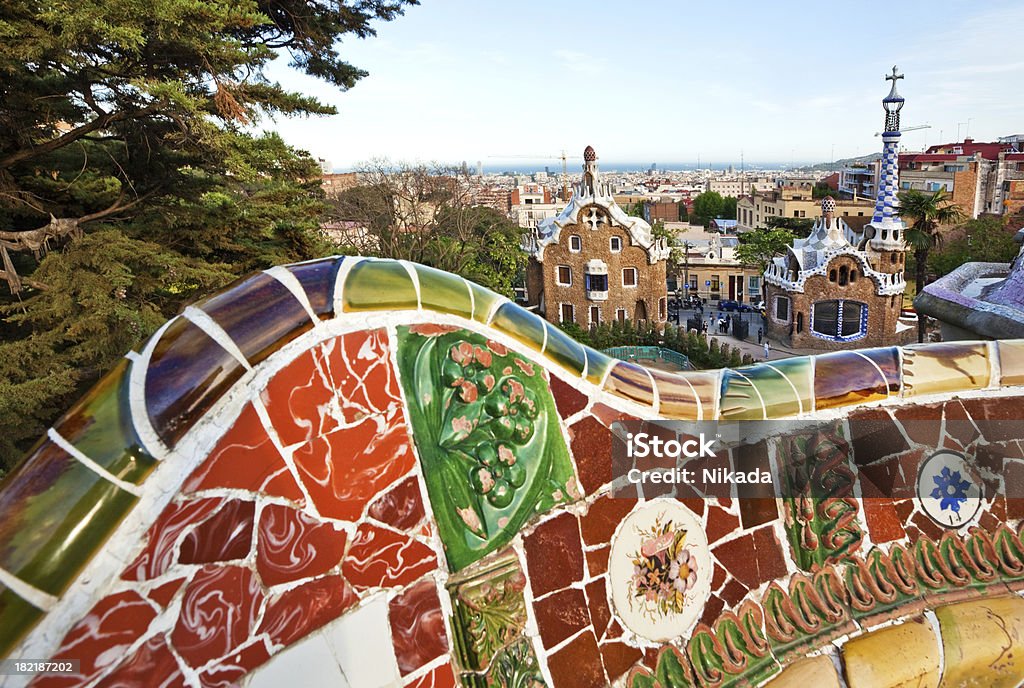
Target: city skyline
<point x="446" y="84"/>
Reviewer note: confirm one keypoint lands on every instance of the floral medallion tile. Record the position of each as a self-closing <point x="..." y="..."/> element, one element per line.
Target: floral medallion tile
<point x="660" y="570"/>
<point x="487" y="431"/>
<point x="949" y="489"/>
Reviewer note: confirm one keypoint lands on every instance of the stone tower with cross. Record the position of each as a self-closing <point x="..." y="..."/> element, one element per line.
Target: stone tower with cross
<point x="594" y="263"/>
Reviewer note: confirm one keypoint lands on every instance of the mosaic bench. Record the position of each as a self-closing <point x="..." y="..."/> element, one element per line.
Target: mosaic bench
<point x="358" y="472"/>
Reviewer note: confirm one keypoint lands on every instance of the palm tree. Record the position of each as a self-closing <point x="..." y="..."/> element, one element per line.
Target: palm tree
<point x="924" y="213"/>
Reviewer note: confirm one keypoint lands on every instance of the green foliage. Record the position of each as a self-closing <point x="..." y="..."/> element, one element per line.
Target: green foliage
<point x="800" y="226"/>
<point x="728" y="209"/>
<point x="924" y="213"/>
<point x="426" y="215"/>
<point x="985" y="239"/>
<point x="821" y="190"/>
<point x="124" y="148"/>
<point x="758" y="247"/>
<point x="707" y="206"/>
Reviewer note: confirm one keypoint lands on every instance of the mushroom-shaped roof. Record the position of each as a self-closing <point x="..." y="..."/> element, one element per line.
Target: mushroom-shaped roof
<point x="589" y="154"/>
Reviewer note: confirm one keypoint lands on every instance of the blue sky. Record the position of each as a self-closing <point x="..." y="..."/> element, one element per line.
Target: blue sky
<point x="472" y="80"/>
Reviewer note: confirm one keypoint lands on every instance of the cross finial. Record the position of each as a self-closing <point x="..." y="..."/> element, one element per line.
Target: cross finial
<point x="894" y="76"/>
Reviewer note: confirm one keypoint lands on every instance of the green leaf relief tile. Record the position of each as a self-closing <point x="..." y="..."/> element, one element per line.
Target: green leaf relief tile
<point x="488" y="612"/>
<point x="16" y="618"/>
<point x="54" y="514"/>
<point x="564" y="350"/>
<point x="444" y="292"/>
<point x="100" y="426"/>
<point x="487" y="433"/>
<point x="378" y="285"/>
<point x="521" y="324"/>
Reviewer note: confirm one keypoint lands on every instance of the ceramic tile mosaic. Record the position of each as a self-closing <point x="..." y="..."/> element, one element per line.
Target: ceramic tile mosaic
<point x="387" y="504"/>
<point x="486" y="429"/>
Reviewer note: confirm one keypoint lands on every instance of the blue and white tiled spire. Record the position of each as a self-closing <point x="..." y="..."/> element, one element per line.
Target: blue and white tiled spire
<point x="886" y="220"/>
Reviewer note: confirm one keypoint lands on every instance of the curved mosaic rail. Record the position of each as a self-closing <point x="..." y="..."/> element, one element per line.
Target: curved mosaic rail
<point x="275" y="463"/>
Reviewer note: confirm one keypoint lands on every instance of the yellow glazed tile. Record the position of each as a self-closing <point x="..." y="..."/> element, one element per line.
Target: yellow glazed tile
<point x="902" y="656"/>
<point x="816" y="672"/>
<point x="945" y="367"/>
<point x="983" y="642"/>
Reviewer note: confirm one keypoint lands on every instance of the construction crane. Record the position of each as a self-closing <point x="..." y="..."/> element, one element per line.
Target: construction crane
<point x="913" y="128"/>
<point x="565" y="170"/>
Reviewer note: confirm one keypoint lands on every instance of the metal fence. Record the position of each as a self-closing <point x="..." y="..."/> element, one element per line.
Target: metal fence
<point x="648" y="353"/>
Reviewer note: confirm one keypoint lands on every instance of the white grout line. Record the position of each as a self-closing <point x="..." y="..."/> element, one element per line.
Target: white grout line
<point x="204" y="322"/>
<point x="31" y="594"/>
<point x="99" y="470"/>
<point x="885" y="380"/>
<point x="415" y="279"/>
<point x="799" y="403"/>
<point x="292" y="284"/>
<point x="339" y="283"/>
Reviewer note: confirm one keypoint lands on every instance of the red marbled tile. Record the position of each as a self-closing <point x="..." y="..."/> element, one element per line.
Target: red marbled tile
<point x="770" y="562"/>
<point x="884" y="524"/>
<point x="578" y="664"/>
<point x="400" y="507"/>
<point x="417" y="626"/>
<point x="739" y="558"/>
<point x="295" y="613"/>
<point x="163" y="594"/>
<point x="619" y="658"/>
<point x="291" y="545"/>
<point x="592" y="452"/>
<point x="218" y="612"/>
<point x="959" y="425"/>
<point x="597" y="602"/>
<point x="922" y="423"/>
<point x="874" y="435"/>
<point x="717" y="578"/>
<point x="554" y="555"/>
<point x="230" y="671"/>
<point x="101" y="638"/>
<point x="597" y="561"/>
<point x="733" y="592"/>
<point x="346" y="469"/>
<point x="364" y="376"/>
<point x="245" y="459"/>
<point x="299" y="399"/>
<point x="441" y="677"/>
<point x="608" y="415"/>
<point x="561" y="615"/>
<point x="712" y="609"/>
<point x="379" y="557"/>
<point x="567" y="399"/>
<point x="603" y="517"/>
<point x="162" y="538"/>
<point x="224" y="536"/>
<point x="152" y="666"/>
<point x="720" y="523"/>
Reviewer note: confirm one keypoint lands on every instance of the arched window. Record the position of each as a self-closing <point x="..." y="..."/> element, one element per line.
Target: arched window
<point x="844" y="275"/>
<point x="831" y="275"/>
<point x="893" y="258"/>
<point x="853" y="276"/>
<point x="839" y="319"/>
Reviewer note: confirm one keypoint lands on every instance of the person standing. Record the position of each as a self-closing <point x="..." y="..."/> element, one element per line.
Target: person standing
<point x="767" y="349"/>
<point x="760" y="334"/>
